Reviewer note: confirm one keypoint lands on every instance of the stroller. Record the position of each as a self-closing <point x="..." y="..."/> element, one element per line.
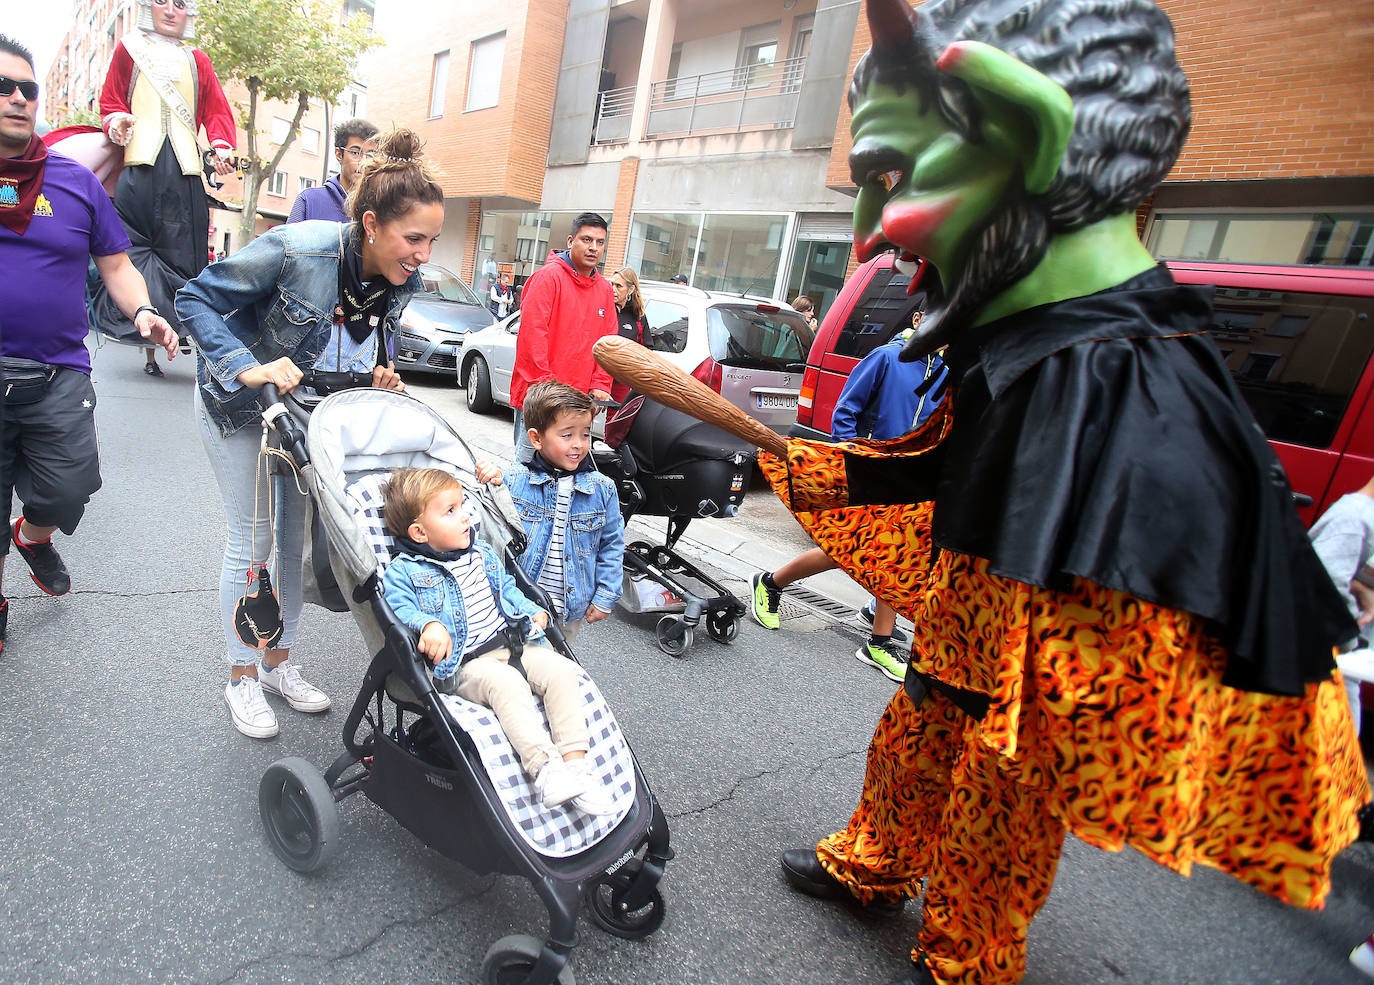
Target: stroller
<point x="665" y="463"/>
<point x="439" y="765"/>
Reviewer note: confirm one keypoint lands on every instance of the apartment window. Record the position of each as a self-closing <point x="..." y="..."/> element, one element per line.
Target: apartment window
<point x="281" y="130"/>
<point x="758" y="50"/>
<point x="276" y="184"/>
<point x="310" y="140"/>
<point x="306" y="183"/>
<point x="1334" y="239"/>
<point x="484" y="71"/>
<point x="438" y="82"/>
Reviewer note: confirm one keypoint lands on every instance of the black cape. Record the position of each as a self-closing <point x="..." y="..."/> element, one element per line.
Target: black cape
<point x="1102" y="437"/>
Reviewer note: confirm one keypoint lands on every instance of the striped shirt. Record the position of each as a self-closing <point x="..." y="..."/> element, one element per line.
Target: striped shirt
<point x="551" y="577"/>
<point x="484" y="619"/>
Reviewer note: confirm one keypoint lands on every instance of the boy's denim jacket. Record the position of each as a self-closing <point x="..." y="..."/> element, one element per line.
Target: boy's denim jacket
<point x="421" y="590"/>
<point x="593" y="545"/>
<point x="273" y="298"/>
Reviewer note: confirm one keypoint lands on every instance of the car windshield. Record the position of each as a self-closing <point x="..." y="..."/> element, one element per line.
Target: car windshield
<point x="754" y="337"/>
<point x="442" y="283"/>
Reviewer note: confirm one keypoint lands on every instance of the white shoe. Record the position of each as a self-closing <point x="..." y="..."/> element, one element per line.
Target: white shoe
<point x="1363" y="956"/>
<point x="249" y="709"/>
<point x="285" y="679"/>
<point x="595" y="798"/>
<point x="556" y="784"/>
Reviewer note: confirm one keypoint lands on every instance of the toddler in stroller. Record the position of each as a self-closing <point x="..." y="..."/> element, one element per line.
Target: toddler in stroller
<point x="440" y="765"/>
<point x="473" y="624"/>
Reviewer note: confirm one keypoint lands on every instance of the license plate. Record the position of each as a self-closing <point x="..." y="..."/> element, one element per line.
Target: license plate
<point x="776" y="401"/>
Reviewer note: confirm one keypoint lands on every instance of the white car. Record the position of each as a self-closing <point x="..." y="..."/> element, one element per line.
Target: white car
<point x="750" y="350"/>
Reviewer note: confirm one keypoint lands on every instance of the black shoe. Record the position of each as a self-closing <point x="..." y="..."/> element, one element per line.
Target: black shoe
<point x="920" y="975"/>
<point x="1365" y="815"/>
<point x="45" y="564"/>
<point x="804" y="872"/>
<point x="153" y="369"/>
<point x="4" y="620"/>
<point x="866" y="613"/>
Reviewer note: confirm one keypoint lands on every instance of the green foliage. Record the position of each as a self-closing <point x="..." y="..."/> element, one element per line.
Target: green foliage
<point x="75" y="118"/>
<point x="288" y="50"/>
<point x="283" y="49"/>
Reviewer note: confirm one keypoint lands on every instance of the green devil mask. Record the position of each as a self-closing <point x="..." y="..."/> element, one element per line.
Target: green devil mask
<point x="985" y="129"/>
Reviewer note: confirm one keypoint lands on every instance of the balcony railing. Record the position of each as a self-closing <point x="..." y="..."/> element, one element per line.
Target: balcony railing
<point x="748" y="97"/>
<point x="613" y="110"/>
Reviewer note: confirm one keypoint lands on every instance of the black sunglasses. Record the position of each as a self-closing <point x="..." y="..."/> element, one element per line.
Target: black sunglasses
<point x="27" y="88"/>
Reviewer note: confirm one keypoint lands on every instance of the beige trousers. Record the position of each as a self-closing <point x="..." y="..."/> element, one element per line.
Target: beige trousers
<point x="490" y="680"/>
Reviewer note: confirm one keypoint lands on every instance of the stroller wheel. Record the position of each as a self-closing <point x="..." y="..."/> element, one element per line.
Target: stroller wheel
<point x="299" y="814"/>
<point x="674" y="636"/>
<point x="608" y="911"/>
<point x="511" y="959"/>
<point x="722" y="627"/>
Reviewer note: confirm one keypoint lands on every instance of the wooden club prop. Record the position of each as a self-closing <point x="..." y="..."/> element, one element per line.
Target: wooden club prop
<point x="652" y="375"/>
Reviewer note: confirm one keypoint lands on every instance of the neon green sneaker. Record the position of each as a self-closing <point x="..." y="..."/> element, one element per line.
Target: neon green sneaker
<point x="888" y="657"/>
<point x="766" y="603"/>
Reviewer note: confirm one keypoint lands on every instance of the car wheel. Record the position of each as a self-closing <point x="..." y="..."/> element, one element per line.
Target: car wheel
<point x="477" y="386"/>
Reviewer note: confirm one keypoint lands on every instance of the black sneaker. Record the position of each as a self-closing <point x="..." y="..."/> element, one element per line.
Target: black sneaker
<point x="45" y="564"/>
<point x="866" y="615"/>
<point x="4" y="620"/>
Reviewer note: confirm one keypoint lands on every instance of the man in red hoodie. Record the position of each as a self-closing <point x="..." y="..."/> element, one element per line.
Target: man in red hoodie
<point x="565" y="307"/>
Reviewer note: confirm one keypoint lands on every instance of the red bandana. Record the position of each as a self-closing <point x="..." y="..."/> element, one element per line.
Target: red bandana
<point x="21" y="179"/>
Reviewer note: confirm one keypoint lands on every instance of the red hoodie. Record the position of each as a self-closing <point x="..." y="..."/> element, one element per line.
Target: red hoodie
<point x="562" y="314"/>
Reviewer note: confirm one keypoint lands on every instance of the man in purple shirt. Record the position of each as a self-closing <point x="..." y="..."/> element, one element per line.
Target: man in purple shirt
<point x="355" y="142"/>
<point x="54" y="218"/>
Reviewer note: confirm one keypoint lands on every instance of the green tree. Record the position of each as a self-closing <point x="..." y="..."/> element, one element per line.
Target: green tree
<point x="288" y="50"/>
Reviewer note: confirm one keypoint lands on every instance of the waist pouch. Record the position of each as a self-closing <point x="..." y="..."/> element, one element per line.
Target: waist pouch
<point x="25" y="380"/>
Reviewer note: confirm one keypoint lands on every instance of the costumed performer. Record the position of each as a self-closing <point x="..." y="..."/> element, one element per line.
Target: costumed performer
<point x="1121" y="630"/>
<point x="158" y="93"/>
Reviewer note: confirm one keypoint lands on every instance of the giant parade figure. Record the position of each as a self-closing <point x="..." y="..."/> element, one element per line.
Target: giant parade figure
<point x="158" y="94"/>
<point x="1121" y="630"/>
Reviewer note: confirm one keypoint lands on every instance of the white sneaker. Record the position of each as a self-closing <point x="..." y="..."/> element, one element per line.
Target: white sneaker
<point x="556" y="784"/>
<point x="1363" y="956"/>
<point x="249" y="709"/>
<point x="285" y="679"/>
<point x="595" y="798"/>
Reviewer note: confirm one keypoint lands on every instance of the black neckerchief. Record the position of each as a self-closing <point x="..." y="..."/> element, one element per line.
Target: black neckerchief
<point x="409" y="546"/>
<point x="363" y="304"/>
<point x="541" y="464"/>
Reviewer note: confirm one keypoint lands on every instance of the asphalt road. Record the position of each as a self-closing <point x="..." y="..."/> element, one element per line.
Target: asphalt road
<point x="132" y="850"/>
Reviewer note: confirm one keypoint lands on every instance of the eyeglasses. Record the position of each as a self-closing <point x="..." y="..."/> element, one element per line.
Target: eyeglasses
<point x="357" y="153"/>
<point x="27" y="87"/>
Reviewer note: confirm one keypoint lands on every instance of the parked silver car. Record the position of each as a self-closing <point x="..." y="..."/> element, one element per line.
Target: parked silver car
<point x="436" y="321"/>
<point x="750" y="350"/>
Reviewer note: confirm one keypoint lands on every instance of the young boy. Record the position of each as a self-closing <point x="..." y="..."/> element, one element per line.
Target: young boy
<point x="456" y="594"/>
<point x="571" y="511"/>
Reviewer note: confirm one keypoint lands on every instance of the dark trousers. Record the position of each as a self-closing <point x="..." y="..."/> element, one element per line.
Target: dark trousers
<point x="48" y="454"/>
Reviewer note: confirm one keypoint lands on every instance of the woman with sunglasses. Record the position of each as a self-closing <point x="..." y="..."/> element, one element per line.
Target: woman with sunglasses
<point x="158" y="93"/>
<point x="305" y="295"/>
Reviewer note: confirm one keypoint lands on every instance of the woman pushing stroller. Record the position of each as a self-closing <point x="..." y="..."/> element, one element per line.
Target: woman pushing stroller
<point x="309" y="295"/>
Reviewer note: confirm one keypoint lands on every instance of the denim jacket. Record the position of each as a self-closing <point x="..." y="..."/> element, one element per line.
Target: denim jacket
<point x="421" y="590"/>
<point x="593" y="545"/>
<point x="273" y="298"/>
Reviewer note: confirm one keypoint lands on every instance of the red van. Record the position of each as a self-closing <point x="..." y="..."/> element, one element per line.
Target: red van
<point x="1298" y="341"/>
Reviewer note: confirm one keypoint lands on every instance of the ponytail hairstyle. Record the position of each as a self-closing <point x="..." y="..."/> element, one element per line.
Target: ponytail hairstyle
<point x="393" y="181"/>
<point x="634" y="300"/>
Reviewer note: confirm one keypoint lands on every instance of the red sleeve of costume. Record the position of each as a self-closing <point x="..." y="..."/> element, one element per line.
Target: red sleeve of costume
<point x="212" y="108"/>
<point x="114" y="94"/>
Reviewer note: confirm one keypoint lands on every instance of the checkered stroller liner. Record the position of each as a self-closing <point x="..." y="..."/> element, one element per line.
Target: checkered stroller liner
<point x="355" y="440"/>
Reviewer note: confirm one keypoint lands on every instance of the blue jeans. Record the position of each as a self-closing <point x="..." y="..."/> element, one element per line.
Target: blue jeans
<point x="524" y="451"/>
<point x="249" y="538"/>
